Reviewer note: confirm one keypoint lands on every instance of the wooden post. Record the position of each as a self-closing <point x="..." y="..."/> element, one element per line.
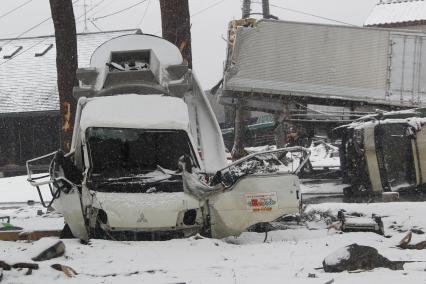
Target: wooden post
<point x="176" y="26"/>
<point x="280" y="128"/>
<point x="265" y="9"/>
<point x="239" y="128"/>
<point x="66" y="64"/>
<point x="246" y="9"/>
<point x="280" y="133"/>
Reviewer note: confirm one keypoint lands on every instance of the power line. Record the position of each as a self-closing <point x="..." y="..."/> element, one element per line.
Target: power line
<point x="207" y="8"/>
<point x="144" y="14"/>
<point x="24" y="51"/>
<point x="37" y="43"/>
<point x="199" y="12"/>
<point x="313" y="15"/>
<point x="103" y="8"/>
<point x="93" y="23"/>
<point x="119" y="11"/>
<point x="27" y="31"/>
<point x="88" y="11"/>
<point x="32" y="28"/>
<point x="309" y="14"/>
<point x="14" y="9"/>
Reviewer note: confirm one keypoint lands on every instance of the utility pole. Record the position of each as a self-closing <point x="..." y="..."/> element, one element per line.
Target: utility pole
<point x="265" y="9"/>
<point x="240" y="114"/>
<point x="66" y="64"/>
<point x="246" y="9"/>
<point x="176" y="26"/>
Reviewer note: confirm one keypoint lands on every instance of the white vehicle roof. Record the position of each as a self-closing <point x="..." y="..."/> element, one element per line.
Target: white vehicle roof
<point x="135" y="111"/>
<point x="166" y="52"/>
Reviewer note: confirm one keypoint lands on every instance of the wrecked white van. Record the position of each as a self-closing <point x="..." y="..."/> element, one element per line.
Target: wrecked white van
<point x="147" y="159"/>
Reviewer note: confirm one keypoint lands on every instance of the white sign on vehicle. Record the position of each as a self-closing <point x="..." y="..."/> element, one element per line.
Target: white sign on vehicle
<point x="259" y="202"/>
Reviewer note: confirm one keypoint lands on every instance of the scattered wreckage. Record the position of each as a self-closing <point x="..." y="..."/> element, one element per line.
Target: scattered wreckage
<point x="385" y="152"/>
<point x="147" y="159"/>
<point x="353" y="223"/>
<point x="355" y="257"/>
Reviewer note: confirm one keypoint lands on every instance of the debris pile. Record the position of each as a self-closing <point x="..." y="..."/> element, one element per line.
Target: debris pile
<point x="47" y="248"/>
<point x="356" y="257"/>
<point x="405" y="243"/>
<point x="43" y="249"/>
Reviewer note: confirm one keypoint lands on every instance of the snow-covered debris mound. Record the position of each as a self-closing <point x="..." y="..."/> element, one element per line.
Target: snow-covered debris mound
<point x="324" y="155"/>
<point x="338" y="256"/>
<point x="354" y="257"/>
<point x="47" y="248"/>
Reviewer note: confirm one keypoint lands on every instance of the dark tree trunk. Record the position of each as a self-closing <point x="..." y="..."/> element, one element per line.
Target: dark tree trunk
<point x="176" y="26"/>
<point x="66" y="64"/>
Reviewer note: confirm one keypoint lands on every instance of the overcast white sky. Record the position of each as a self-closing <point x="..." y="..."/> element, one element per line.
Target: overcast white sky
<point x="208" y="25"/>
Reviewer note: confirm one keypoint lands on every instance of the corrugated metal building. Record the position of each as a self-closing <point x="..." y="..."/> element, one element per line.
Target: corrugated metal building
<point x="319" y="76"/>
<point x="328" y="64"/>
<point x="29" y="103"/>
<point x="406" y="14"/>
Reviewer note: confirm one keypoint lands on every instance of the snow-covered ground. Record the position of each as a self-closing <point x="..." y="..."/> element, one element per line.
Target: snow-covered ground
<point x="287" y="255"/>
<point x="16" y="189"/>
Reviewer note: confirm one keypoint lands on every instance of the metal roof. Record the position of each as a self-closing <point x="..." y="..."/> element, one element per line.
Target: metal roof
<point x="397" y="11"/>
<point x="28" y="81"/>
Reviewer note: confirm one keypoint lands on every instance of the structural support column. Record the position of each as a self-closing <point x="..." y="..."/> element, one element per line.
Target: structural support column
<point x="66" y="64"/>
<point x="176" y="26"/>
<point x="239" y="129"/>
<point x="280" y="133"/>
<point x="246" y="9"/>
<point x="280" y="128"/>
<point x="265" y="9"/>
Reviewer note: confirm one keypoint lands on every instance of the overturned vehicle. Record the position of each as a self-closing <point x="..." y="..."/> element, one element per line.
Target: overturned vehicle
<point x="147" y="159"/>
<point x="385" y="152"/>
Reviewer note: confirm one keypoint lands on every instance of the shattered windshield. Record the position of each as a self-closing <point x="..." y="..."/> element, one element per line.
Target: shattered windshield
<point x="118" y="152"/>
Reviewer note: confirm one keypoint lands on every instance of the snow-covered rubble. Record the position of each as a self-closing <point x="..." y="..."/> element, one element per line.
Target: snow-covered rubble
<point x="292" y="255"/>
<point x="29" y="218"/>
<point x="337" y="256"/>
<point x="324" y="155"/>
<point x="287" y="255"/>
<point x="16" y="189"/>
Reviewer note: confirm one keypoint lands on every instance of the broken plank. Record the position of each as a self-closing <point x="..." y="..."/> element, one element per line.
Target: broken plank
<point x="28" y="236"/>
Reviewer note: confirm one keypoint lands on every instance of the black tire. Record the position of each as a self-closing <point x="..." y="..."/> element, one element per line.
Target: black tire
<point x="66" y="233"/>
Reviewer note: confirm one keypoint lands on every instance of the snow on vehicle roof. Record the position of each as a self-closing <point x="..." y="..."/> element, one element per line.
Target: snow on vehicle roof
<point x="135" y="111"/>
<point x="166" y="52"/>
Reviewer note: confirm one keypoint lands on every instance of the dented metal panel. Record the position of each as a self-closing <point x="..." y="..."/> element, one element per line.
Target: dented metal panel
<point x="317" y="60"/>
<point x="408" y="74"/>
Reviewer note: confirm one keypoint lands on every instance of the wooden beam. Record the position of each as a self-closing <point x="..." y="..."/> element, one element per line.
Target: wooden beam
<point x="28" y="236"/>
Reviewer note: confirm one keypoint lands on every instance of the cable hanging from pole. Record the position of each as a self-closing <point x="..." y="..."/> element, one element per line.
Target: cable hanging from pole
<point x="144" y="14"/>
<point x="37" y="43"/>
<point x="14" y="9"/>
<point x="119" y="11"/>
<point x="306" y="13"/>
<point x="32" y="28"/>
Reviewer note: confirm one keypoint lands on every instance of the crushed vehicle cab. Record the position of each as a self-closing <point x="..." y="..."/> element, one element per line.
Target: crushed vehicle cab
<point x="384" y="152"/>
<point x="147" y="159"/>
